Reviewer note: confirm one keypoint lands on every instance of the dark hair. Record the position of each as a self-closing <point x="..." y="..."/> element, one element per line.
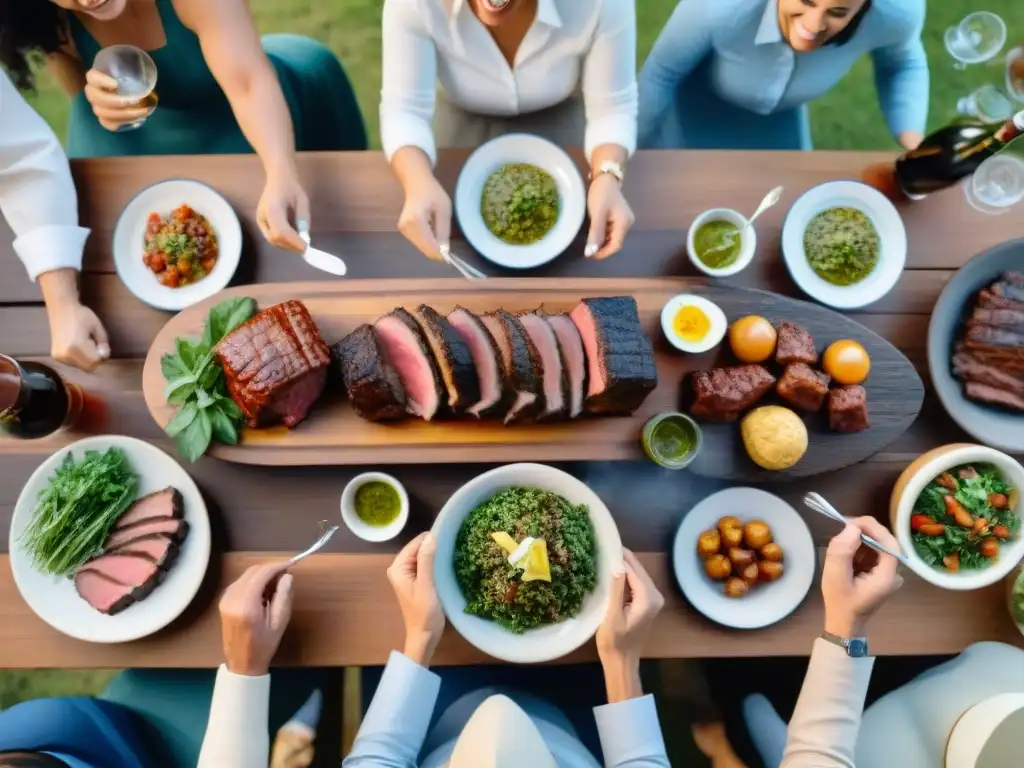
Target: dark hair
<point x="851" y="29"/>
<point x="30" y="759"/>
<point x="26" y="28"/>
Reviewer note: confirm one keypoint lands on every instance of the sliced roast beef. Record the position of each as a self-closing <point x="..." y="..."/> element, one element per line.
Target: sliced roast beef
<point x="402" y="339"/>
<point x="620" y="357"/>
<point x="373" y="385"/>
<point x="968" y="367"/>
<point x="981" y="335"/>
<point x="138" y="573"/>
<point x="573" y="358"/>
<point x="989" y="300"/>
<point x="1010" y="286"/>
<point x="453" y="357"/>
<point x="103" y="593"/>
<point x="984" y="393"/>
<point x="275" y="365"/>
<point x="522" y="364"/>
<point x="171" y="527"/>
<point x="556" y="380"/>
<point x="1007" y="319"/>
<point x="495" y="396"/>
<point x="165" y="503"/>
<point x="161" y="549"/>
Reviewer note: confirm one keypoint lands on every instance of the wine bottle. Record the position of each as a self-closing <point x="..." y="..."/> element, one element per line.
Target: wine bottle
<point x="953" y="153"/>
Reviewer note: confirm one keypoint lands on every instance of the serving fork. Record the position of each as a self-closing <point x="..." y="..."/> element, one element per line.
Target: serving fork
<point x="818" y="503"/>
<point x="318" y="544"/>
<point x="468" y="271"/>
<point x="320" y="259"/>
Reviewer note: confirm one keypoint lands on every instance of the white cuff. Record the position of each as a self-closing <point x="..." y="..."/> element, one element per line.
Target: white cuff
<point x="399" y="130"/>
<point x="45" y="249"/>
<point x="630" y="731"/>
<point x="237" y="732"/>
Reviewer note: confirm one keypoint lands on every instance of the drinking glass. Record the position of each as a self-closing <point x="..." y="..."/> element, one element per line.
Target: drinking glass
<point x="1015" y="73"/>
<point x="997" y="185"/>
<point x="988" y="104"/>
<point x="135" y="73"/>
<point x="976" y="39"/>
<point x="34" y="400"/>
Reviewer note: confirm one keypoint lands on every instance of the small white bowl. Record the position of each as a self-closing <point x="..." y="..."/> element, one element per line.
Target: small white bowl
<point x="748" y="238"/>
<point x="719" y="323"/>
<point x="364" y="530"/>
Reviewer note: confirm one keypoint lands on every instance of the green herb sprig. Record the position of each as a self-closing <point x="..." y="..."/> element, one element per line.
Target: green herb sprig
<point x="196" y="381"/>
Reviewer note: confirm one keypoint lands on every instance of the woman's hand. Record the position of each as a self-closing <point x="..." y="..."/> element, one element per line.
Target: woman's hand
<point x="857" y="580"/>
<point x="77" y="337"/>
<point x="254" y="613"/>
<point x="610" y="217"/>
<point x="426" y="218"/>
<point x="283" y="202"/>
<point x="112" y="111"/>
<point x="633" y="605"/>
<point x="412" y="577"/>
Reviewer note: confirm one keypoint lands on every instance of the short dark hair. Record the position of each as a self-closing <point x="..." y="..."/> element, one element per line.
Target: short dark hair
<point x="30" y="760"/>
<point x="851" y="29"/>
<point x="28" y="28"/>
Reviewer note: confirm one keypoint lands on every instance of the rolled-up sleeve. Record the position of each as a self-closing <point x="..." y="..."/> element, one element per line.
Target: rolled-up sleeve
<point x="609" y="79"/>
<point x="409" y="91"/>
<point x="237" y="732"/>
<point x="902" y="76"/>
<point x="631" y="734"/>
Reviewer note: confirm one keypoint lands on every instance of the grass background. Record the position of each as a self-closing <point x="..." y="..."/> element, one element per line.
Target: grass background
<point x="846" y="118"/>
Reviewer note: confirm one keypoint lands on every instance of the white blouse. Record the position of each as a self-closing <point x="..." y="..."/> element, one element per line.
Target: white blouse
<point x="572" y="43"/>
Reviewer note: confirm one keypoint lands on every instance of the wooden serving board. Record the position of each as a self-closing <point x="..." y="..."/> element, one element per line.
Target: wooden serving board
<point x="334" y="435"/>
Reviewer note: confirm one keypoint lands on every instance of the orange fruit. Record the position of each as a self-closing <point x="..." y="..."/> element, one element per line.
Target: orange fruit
<point x="847" y="362"/>
<point x="752" y="339"/>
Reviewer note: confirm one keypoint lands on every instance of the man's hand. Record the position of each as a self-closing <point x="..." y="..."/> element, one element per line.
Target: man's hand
<point x="254" y="613"/>
<point x="77" y="336"/>
<point x="412" y="577"/>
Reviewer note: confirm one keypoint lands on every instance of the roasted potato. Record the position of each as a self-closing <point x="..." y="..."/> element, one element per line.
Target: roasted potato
<point x="718" y="567"/>
<point x="709" y="543"/>
<point x="751" y="574"/>
<point x="736" y="587"/>
<point x="741" y="558"/>
<point x="729" y="522"/>
<point x="769" y="571"/>
<point x="772" y="552"/>
<point x="757" y="534"/>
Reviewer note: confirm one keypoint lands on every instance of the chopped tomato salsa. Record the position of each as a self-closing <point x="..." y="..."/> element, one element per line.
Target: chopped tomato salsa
<point x="180" y="248"/>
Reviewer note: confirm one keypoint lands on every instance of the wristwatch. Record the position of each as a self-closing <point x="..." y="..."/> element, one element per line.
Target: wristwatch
<point x="611" y="168"/>
<point x="855" y="647"/>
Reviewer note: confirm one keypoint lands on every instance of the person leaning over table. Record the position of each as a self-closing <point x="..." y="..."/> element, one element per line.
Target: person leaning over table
<point x="737" y="74"/>
<point x="459" y="72"/>
<point x="221" y="89"/>
<point x="39" y="202"/>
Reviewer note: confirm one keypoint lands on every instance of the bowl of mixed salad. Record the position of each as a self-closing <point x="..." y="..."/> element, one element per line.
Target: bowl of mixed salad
<point x="956" y="513"/>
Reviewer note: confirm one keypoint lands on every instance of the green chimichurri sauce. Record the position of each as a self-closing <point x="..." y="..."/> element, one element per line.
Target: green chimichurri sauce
<point x="718" y="244"/>
<point x="670" y="440"/>
<point x="842" y="246"/>
<point x="377" y="503"/>
<point x="520" y="203"/>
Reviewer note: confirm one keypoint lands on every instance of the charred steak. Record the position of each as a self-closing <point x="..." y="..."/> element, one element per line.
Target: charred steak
<point x="110" y="583"/>
<point x="573" y="358"/>
<point x="795" y="345"/>
<point x="405" y="346"/>
<point x="722" y="394"/>
<point x="803" y="387"/>
<point x="165" y="503"/>
<point x="848" y="409"/>
<point x="275" y="365"/>
<point x="496" y="396"/>
<point x="372" y="383"/>
<point x="453" y="357"/>
<point x="522" y="365"/>
<point x="556" y="379"/>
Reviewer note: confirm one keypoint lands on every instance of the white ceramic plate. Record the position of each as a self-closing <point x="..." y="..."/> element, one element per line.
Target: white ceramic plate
<point x="163" y="198"/>
<point x="53" y="598"/>
<point x="550" y="641"/>
<point x="520" y="148"/>
<point x="887" y="221"/>
<point x="765" y="604"/>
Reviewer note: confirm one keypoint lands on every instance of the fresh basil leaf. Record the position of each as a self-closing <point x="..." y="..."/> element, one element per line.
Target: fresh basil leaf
<point x="203" y="399"/>
<point x="243" y="310"/>
<point x="229" y="407"/>
<point x="223" y="428"/>
<point x="187" y="351"/>
<point x="193" y="441"/>
<point x="211" y="377"/>
<point x="182" y="420"/>
<point x="178" y="389"/>
<point x="172" y="367"/>
<point x="225" y="317"/>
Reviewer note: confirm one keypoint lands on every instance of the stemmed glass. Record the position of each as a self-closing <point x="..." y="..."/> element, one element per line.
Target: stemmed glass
<point x="997" y="185"/>
<point x="988" y="104"/>
<point x="135" y="73"/>
<point x="976" y="39"/>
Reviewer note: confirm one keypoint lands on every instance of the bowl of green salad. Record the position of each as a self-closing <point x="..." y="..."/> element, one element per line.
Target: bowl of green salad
<point x="524" y="562"/>
<point x="844" y="244"/>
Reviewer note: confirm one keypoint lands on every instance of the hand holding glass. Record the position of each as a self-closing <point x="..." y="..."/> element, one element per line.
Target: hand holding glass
<point x="135" y="73"/>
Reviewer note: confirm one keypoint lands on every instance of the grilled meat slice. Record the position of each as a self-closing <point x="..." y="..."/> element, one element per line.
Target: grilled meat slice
<point x="722" y="394"/>
<point x="989" y="300"/>
<point x="158" y="547"/>
<point x="137" y="573"/>
<point x="496" y="396"/>
<point x="803" y="387"/>
<point x="620" y="359"/>
<point x="174" y="529"/>
<point x="573" y="358"/>
<point x="983" y="393"/>
<point x="967" y="367"/>
<point x="1009" y="359"/>
<point x="848" y="409"/>
<point x="522" y="364"/>
<point x="1010" y="286"/>
<point x="556" y="379"/>
<point x="373" y="385"/>
<point x="402" y="341"/>
<point x="1006" y="319"/>
<point x="105" y="594"/>
<point x="275" y="365"/>
<point x="164" y="503"/>
<point x="981" y="335"/>
<point x="795" y="345"/>
<point x="454" y="359"/>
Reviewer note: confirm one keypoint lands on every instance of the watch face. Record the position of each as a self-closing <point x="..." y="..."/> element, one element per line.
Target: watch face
<point x="857" y="647"/>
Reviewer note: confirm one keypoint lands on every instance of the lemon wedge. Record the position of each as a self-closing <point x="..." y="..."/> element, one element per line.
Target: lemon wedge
<point x="505" y="541"/>
<point x="538" y="567"/>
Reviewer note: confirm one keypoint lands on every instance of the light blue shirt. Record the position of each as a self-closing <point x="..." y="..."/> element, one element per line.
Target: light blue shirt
<point x="755" y="68"/>
<point x="395" y="728"/>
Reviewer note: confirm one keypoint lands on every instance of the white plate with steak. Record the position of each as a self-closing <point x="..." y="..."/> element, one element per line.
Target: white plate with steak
<point x="150" y="566"/>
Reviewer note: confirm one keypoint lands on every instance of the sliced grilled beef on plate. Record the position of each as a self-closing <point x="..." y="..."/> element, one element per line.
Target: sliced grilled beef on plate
<point x="453" y="356"/>
<point x="522" y="364"/>
<point x="136" y="574"/>
<point x="989" y="300"/>
<point x="164" y="503"/>
<point x="408" y="351"/>
<point x="573" y="358"/>
<point x="160" y="548"/>
<point x="983" y="393"/>
<point x="556" y="379"/>
<point x="620" y="357"/>
<point x="104" y="593"/>
<point x="1007" y="319"/>
<point x="495" y="396"/>
<point x="968" y="367"/>
<point x="1010" y="286"/>
<point x="171" y="527"/>
<point x="373" y="385"/>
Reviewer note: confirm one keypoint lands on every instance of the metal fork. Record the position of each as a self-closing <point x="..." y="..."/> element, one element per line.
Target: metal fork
<point x="818" y="503"/>
<point x="318" y="545"/>
<point x="468" y="271"/>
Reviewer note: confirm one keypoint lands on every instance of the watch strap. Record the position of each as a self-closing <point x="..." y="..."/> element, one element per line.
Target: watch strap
<point x="855" y="647"/>
<point x="611" y="168"/>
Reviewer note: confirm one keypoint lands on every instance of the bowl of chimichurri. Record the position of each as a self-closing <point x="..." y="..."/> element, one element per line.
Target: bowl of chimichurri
<point x="672" y="440"/>
<point x="844" y="244"/>
<point x="375" y="506"/>
<point x="720" y="243"/>
<point x="520" y="201"/>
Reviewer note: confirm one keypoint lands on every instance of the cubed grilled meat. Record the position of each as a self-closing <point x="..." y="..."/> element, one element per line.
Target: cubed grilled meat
<point x="574" y="359"/>
<point x="556" y="379"/>
<point x="453" y="358"/>
<point x="406" y="348"/>
<point x="803" y="387"/>
<point x="795" y="345"/>
<point x="848" y="409"/>
<point x="522" y="365"/>
<point x="722" y="394"/>
<point x="373" y="385"/>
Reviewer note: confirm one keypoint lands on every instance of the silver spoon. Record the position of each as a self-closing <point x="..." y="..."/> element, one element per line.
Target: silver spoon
<point x="818" y="503"/>
<point x="317" y="545"/>
<point x="769" y="200"/>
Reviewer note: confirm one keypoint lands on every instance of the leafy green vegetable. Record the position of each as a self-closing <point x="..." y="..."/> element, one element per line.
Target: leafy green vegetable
<point x="1017" y="598"/>
<point x="77" y="509"/>
<point x="195" y="381"/>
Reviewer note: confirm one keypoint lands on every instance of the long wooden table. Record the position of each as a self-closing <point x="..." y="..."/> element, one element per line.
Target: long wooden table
<point x="345" y="613"/>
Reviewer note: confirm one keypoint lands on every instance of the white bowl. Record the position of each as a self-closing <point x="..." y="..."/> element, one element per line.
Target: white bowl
<point x="892" y="236"/>
<point x="764" y="604"/>
<point x="54" y="599"/>
<point x="543" y="643"/>
<point x="914" y="479"/>
<point x="520" y="148"/>
<point x="163" y="198"/>
<point x="719" y="323"/>
<point x="748" y="239"/>
<point x="364" y="530"/>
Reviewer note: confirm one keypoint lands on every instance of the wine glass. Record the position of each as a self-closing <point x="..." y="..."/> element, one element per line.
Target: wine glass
<point x="988" y="104"/>
<point x="135" y="73"/>
<point x="976" y="39"/>
<point x="997" y="185"/>
<point x="1015" y="73"/>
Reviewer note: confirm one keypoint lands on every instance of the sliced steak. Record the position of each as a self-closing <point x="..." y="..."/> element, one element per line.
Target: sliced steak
<point x="174" y="529"/>
<point x="989" y="300"/>
<point x="574" y="360"/>
<point x="620" y="358"/>
<point x="403" y="342"/>
<point x="967" y="367"/>
<point x="522" y="364"/>
<point x="373" y="385"/>
<point x="556" y="379"/>
<point x="139" y="573"/>
<point x="803" y="387"/>
<point x="983" y="393"/>
<point x="495" y="396"/>
<point x="165" y="503"/>
<point x="795" y="345"/>
<point x="981" y="335"/>
<point x="848" y="409"/>
<point x="1007" y="319"/>
<point x="275" y="364"/>
<point x="102" y="592"/>
<point x="722" y="394"/>
<point x="453" y="357"/>
<point x="1010" y="286"/>
<point x="158" y="547"/>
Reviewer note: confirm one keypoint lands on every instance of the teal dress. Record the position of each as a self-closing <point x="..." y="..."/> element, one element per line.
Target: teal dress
<point x="194" y="116"/>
